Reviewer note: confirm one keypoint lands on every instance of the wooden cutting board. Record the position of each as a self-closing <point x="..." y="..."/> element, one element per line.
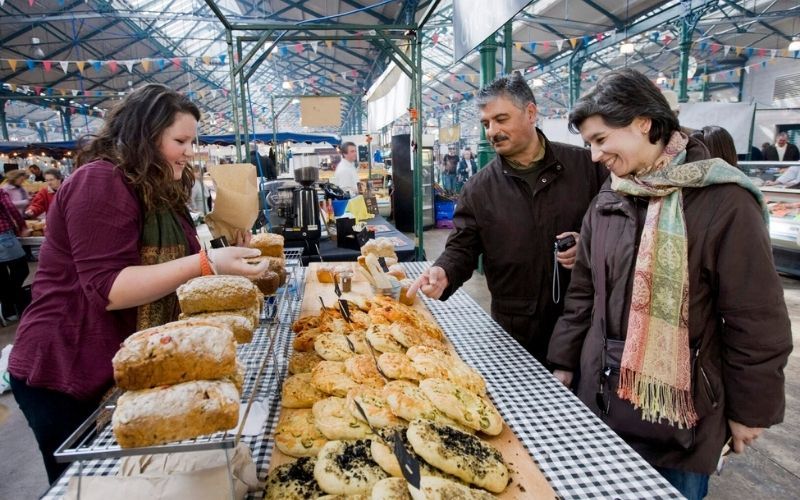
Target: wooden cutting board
<point x="527" y="481"/>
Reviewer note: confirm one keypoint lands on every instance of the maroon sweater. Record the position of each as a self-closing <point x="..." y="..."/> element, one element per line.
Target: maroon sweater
<point x="66" y="338"/>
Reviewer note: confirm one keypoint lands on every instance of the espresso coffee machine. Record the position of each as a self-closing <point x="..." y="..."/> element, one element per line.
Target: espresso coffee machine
<point x="302" y="221"/>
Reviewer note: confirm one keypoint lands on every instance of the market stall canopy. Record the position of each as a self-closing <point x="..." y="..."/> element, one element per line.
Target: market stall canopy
<point x="388" y="98"/>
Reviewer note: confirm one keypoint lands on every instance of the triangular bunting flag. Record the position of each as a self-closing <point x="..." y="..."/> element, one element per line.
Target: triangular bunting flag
<point x="13" y="64"/>
<point x="298" y="48"/>
<point x="64" y="66"/>
<point x="30" y="63"/>
<point x="283" y="52"/>
<point x="224" y="92"/>
<point x="314" y="45"/>
<point x="161" y="63"/>
<point x="176" y="61"/>
<point x="97" y="65"/>
<point x="518" y="45"/>
<point x="739" y="50"/>
<point x="435" y="38"/>
<point x="31" y="2"/>
<point x="586" y="40"/>
<point x="47" y="66"/>
<point x="37" y="90"/>
<point x="747" y="69"/>
<point x="112" y="65"/>
<point x="222" y="59"/>
<point x="2" y="2"/>
<point x="573" y="42"/>
<point x="146" y="64"/>
<point x="560" y="44"/>
<point x="12" y="87"/>
<point x="74" y="92"/>
<point x="207" y="60"/>
<point x="772" y="53"/>
<point x="191" y="61"/>
<point x="129" y="65"/>
<point x="63" y="92"/>
<point x="727" y="49"/>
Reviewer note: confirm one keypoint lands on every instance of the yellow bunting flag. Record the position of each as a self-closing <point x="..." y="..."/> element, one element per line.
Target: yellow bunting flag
<point x="329" y="43"/>
<point x="146" y="64"/>
<point x="80" y="65"/>
<point x="518" y="45"/>
<point x="13" y="64"/>
<point x="739" y="50"/>
<point x="573" y="42"/>
<point x="206" y="60"/>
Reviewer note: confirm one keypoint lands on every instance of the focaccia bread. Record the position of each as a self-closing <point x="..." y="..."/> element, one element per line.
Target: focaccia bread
<point x="297" y="435"/>
<point x="432" y="363"/>
<point x="374" y="405"/>
<point x="331" y="378"/>
<point x="303" y="362"/>
<point x="335" y="421"/>
<point x="270" y="244"/>
<point x="463" y="406"/>
<point x="173" y="413"/>
<point x="293" y="481"/>
<point x="173" y="353"/>
<point x="217" y="293"/>
<point x="333" y="347"/>
<point x="239" y="322"/>
<point x="298" y="392"/>
<point x="363" y="370"/>
<point x="382" y="340"/>
<point x="407" y="401"/>
<point x="431" y="488"/>
<point x="460" y="454"/>
<point x="398" y="366"/>
<point x="383" y="453"/>
<point x="347" y="468"/>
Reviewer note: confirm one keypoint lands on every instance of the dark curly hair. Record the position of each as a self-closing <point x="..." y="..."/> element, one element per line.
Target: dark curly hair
<point x="621" y="96"/>
<point x="131" y="138"/>
<point x="513" y="87"/>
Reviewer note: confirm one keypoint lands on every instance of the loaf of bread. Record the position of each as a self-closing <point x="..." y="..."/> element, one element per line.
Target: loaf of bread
<point x="173" y="413"/>
<point x="173" y="353"/>
<point x="380" y="247"/>
<point x="270" y="245"/>
<point x="217" y="293"/>
<point x="268" y="282"/>
<point x="240" y="322"/>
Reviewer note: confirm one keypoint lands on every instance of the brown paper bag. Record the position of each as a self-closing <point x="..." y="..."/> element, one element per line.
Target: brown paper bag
<point x="236" y="206"/>
<point x="201" y="475"/>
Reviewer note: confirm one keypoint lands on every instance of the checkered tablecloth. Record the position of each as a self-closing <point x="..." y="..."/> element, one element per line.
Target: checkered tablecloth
<point x="576" y="451"/>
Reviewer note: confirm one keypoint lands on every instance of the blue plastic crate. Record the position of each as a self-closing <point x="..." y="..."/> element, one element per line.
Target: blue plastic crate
<point x="444" y="210"/>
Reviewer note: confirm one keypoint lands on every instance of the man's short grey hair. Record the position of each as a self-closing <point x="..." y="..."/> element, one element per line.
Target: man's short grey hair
<point x="513" y="87"/>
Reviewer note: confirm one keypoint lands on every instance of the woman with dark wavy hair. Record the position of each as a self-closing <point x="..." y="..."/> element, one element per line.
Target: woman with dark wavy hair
<point x="119" y="242"/>
<point x="675" y="348"/>
<point x="719" y="143"/>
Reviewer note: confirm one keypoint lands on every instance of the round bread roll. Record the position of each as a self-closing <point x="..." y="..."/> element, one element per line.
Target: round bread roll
<point x="268" y="282"/>
<point x="333" y="347"/>
<point x="270" y="244"/>
<point x="363" y="370"/>
<point x="303" y="362"/>
<point x="382" y="340"/>
<point x="463" y="406"/>
<point x="335" y="421"/>
<point x="374" y="405"/>
<point x="299" y="392"/>
<point x="347" y="468"/>
<point x="331" y="378"/>
<point x="459" y="453"/>
<point x="296" y="434"/>
<point x="293" y="481"/>
<point x="398" y="366"/>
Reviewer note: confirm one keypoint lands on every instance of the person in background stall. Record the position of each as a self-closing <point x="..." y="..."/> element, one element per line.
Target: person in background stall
<point x="42" y="200"/>
<point x="346" y="174"/>
<point x="467" y="167"/>
<point x="119" y="242"/>
<point x="719" y="143"/>
<point x="676" y="350"/>
<point x="35" y="173"/>
<point x="13" y="261"/>
<point x="448" y="166"/>
<point x="782" y="150"/>
<point x="512" y="211"/>
<point x="13" y="186"/>
<point x="198" y="201"/>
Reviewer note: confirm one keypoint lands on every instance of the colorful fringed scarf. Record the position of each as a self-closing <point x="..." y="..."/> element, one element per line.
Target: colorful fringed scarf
<point x="656" y="363"/>
<point x="163" y="240"/>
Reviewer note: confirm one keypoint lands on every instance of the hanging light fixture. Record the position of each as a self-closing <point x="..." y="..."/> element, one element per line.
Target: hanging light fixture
<point x="37" y="51"/>
<point x="627" y="48"/>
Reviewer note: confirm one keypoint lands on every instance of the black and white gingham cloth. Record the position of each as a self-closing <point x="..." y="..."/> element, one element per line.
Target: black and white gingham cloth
<point x="580" y="456"/>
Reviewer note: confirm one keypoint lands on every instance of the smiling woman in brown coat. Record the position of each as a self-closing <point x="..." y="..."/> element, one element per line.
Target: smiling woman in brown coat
<point x="676" y="348"/>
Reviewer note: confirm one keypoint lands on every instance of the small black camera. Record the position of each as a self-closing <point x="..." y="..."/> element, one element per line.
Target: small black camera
<point x="565" y="243"/>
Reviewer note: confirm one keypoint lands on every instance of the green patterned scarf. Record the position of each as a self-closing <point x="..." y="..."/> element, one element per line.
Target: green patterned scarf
<point x="656" y="363"/>
<point x="163" y="240"/>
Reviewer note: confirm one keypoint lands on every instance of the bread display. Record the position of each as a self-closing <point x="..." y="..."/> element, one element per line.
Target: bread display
<point x="347" y="468"/>
<point x="296" y="434"/>
<point x="237" y="322"/>
<point x="270" y="244"/>
<point x="173" y="353"/>
<point x="458" y="453"/>
<point x="217" y="293"/>
<point x="293" y="481"/>
<point x="173" y="413"/>
<point x="298" y="392"/>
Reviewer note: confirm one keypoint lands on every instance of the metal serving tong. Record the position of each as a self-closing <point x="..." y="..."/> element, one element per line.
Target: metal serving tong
<point x="409" y="465"/>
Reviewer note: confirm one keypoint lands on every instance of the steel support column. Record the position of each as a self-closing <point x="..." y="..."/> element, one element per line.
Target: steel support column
<point x="685" y="48"/>
<point x="508" y="48"/>
<point x="66" y="124"/>
<point x="234" y="107"/>
<point x="416" y="100"/>
<point x="243" y="98"/>
<point x="576" y="62"/>
<point x="3" y="123"/>
<point x="488" y="51"/>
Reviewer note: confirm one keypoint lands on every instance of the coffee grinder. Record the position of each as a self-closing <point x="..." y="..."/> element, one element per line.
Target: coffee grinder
<point x="304" y="224"/>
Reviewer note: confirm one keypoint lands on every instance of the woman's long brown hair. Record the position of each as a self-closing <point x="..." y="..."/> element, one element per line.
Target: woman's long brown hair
<point x="130" y="139"/>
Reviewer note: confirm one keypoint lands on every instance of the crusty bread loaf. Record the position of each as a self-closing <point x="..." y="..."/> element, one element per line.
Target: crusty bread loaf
<point x="239" y="322"/>
<point x="270" y="245"/>
<point x="173" y="353"/>
<point x="217" y="293"/>
<point x="173" y="413"/>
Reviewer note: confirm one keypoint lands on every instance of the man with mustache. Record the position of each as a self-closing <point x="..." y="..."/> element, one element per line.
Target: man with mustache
<point x="512" y="211"/>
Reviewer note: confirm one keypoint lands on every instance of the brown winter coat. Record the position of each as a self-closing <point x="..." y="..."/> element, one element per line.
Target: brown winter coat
<point x="514" y="227"/>
<point x="737" y="315"/>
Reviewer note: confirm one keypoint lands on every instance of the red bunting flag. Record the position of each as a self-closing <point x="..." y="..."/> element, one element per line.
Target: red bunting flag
<point x="47" y="65"/>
